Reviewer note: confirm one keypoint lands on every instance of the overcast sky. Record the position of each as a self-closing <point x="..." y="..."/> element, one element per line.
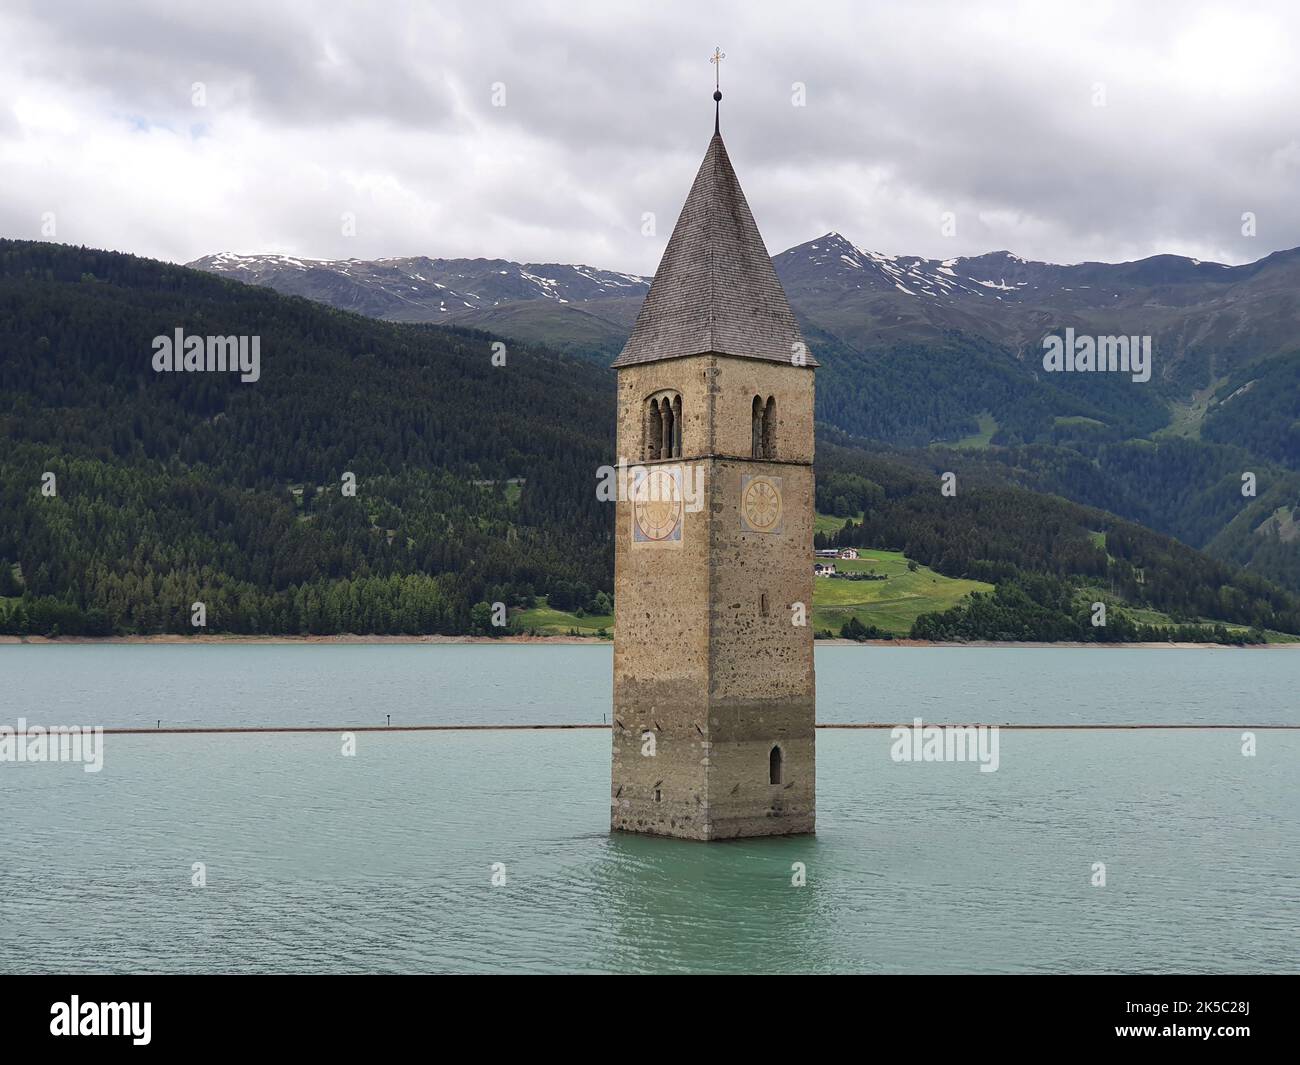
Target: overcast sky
<point x="1063" y="132"/>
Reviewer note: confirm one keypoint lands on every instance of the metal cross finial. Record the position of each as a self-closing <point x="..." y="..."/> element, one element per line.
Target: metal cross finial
<point x="716" y="59"/>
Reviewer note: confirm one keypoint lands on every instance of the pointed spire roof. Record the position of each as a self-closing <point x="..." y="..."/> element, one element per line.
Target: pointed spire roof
<point x="715" y="290"/>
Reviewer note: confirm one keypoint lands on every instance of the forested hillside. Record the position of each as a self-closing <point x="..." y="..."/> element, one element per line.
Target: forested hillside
<point x="172" y="488"/>
<point x="474" y="482"/>
<point x="1186" y="488"/>
<point x="918" y="353"/>
<point x="1257" y="408"/>
<point x="1061" y="555"/>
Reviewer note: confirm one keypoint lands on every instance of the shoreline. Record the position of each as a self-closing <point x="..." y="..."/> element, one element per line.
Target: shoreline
<point x="172" y="639"/>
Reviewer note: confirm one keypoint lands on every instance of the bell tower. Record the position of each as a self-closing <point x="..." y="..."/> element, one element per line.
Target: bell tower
<point x="714" y="697"/>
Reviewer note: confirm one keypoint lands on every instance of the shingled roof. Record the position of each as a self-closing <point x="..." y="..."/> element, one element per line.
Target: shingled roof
<point x="715" y="290"/>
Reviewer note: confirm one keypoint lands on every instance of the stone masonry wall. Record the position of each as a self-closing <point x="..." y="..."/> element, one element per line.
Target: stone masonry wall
<point x="696" y="662"/>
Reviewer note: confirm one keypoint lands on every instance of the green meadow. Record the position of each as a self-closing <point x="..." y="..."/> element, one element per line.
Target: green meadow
<point x="549" y="622"/>
<point x="892" y="604"/>
<point x="988" y="425"/>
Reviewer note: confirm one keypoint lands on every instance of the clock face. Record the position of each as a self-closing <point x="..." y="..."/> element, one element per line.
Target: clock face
<point x="760" y="504"/>
<point x="657" y="507"/>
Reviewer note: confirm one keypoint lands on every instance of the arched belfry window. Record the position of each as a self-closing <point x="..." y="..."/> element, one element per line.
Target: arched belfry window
<point x="774" y="766"/>
<point x="654" y="430"/>
<point x="763" y="428"/>
<point x="663" y="427"/>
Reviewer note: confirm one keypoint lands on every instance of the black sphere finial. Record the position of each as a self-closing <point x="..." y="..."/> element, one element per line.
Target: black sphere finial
<point x="717" y="95"/>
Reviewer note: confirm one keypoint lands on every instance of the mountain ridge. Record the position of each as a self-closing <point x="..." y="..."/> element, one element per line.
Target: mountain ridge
<point x="1207" y="319"/>
<point x="451" y="287"/>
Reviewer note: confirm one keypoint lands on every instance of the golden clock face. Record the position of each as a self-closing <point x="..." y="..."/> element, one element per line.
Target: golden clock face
<point x="760" y="503"/>
<point x="657" y="507"/>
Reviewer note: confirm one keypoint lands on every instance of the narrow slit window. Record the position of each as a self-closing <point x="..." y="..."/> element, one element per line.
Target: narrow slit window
<point x="774" y="766"/>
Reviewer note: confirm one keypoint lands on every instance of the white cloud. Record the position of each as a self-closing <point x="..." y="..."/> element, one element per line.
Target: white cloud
<point x="985" y="111"/>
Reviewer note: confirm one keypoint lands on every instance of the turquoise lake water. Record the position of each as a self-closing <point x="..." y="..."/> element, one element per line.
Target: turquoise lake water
<point x="384" y="861"/>
<point x="429" y="684"/>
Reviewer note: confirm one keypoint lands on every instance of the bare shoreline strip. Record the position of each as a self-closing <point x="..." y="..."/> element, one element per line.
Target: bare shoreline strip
<point x="237" y="729"/>
<point x="232" y="640"/>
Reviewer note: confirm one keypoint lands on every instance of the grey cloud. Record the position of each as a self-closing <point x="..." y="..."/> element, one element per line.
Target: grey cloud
<point x="911" y="110"/>
<point x="290" y="63"/>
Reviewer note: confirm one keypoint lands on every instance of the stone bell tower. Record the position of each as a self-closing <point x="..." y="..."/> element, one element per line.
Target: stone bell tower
<point x="713" y="643"/>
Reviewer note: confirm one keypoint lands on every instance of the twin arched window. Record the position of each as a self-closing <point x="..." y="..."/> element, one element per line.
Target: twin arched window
<point x="663" y="427"/>
<point x="763" y="434"/>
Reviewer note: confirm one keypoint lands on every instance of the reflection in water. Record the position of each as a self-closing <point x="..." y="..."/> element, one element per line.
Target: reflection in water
<point x="681" y="905"/>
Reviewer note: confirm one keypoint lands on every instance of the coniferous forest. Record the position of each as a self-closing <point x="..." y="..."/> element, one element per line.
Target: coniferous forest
<point x="398" y="479"/>
<point x="178" y="488"/>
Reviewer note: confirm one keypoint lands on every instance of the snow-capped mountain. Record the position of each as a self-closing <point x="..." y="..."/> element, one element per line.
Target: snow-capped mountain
<point x="862" y="300"/>
<point x="1001" y="276"/>
<point x="869" y="300"/>
<point x="423" y="289"/>
<point x="832" y="258"/>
